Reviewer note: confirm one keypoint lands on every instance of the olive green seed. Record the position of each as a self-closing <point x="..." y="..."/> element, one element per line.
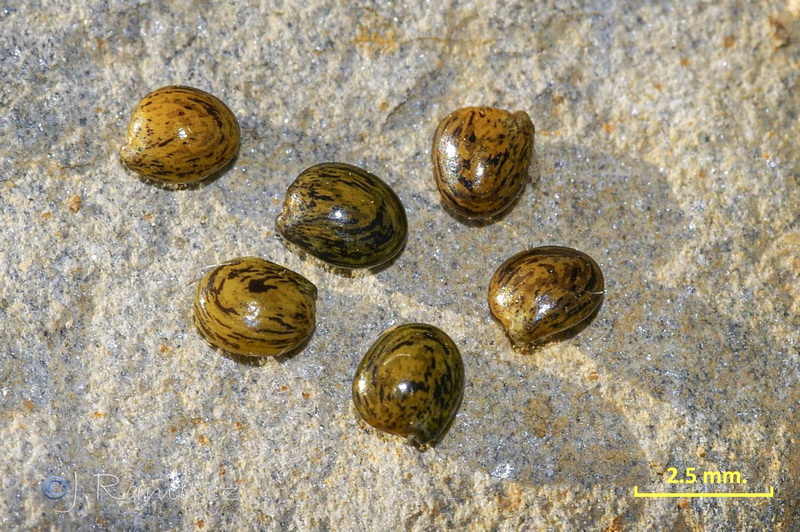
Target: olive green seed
<point x="410" y="383"/>
<point x="343" y="215"/>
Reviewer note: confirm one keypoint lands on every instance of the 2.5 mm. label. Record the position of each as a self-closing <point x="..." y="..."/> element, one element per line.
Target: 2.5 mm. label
<point x="691" y="475"/>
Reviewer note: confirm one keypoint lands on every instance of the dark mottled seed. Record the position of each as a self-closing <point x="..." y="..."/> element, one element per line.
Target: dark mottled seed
<point x="543" y="291"/>
<point x="180" y="135"/>
<point x="344" y="216"/>
<point x="481" y="157"/>
<point x="410" y="383"/>
<point x="249" y="306"/>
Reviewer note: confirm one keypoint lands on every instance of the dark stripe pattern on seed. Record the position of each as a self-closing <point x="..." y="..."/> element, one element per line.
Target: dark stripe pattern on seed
<point x="343" y="215"/>
<point x="410" y="383"/>
<point x="544" y="291"/>
<point x="180" y="135"/>
<point x="252" y="307"/>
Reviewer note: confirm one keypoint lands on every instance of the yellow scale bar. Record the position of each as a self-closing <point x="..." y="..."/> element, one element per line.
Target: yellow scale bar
<point x="770" y="493"/>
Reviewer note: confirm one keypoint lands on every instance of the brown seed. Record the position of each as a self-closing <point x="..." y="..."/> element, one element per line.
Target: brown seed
<point x="179" y="135"/>
<point x="252" y="307"/>
<point x="480" y="158"/>
<point x="543" y="291"/>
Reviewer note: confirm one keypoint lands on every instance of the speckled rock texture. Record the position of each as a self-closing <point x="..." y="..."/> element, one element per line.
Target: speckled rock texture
<point x="667" y="149"/>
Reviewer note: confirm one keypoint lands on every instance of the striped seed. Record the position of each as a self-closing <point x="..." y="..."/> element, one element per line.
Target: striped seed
<point x="180" y="135"/>
<point x="252" y="307"/>
<point x="410" y="383"/>
<point x="544" y="291"/>
<point x="480" y="158"/>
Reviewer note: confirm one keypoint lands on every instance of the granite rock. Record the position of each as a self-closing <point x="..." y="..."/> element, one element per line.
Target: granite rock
<point x="667" y="149"/>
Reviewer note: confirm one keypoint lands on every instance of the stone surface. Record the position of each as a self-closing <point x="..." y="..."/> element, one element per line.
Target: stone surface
<point x="667" y="143"/>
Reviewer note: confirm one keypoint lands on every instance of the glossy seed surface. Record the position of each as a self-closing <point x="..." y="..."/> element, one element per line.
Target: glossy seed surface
<point x="481" y="157"/>
<point x="410" y="382"/>
<point x="343" y="215"/>
<point x="249" y="306"/>
<point x="543" y="291"/>
<point x="179" y="135"/>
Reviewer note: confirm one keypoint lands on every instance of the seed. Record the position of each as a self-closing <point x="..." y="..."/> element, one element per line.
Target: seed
<point x="410" y="383"/>
<point x="481" y="157"/>
<point x="544" y="291"/>
<point x="249" y="306"/>
<point x="344" y="216"/>
<point x="180" y="135"/>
